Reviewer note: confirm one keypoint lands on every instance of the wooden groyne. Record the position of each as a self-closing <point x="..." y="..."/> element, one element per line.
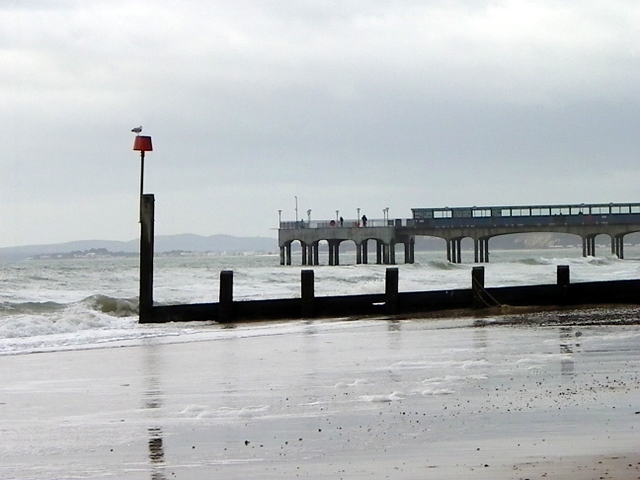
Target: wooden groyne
<point x="394" y="302"/>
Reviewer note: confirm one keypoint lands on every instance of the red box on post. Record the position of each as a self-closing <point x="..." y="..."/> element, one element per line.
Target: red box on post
<point x="142" y="144"/>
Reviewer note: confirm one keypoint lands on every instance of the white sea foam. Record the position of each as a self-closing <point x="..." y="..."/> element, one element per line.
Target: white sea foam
<point x="449" y="379"/>
<point x="356" y="383"/>
<point x="384" y="398"/>
<point x="438" y="391"/>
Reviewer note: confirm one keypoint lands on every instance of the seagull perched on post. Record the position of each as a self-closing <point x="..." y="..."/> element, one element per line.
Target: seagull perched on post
<point x="137" y="130"/>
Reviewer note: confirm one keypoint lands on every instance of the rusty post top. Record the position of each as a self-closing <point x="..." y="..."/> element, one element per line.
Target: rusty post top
<point x="142" y="143"/>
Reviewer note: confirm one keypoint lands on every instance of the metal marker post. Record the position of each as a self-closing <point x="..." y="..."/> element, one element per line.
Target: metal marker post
<point x="141" y="173"/>
<point x="143" y="144"/>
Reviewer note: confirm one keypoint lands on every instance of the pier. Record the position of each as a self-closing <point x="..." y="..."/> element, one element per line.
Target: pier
<point x="453" y="225"/>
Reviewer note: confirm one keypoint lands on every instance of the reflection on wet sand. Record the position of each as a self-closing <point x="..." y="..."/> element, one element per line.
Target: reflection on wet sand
<point x="567" y="364"/>
<point x="156" y="453"/>
<point x="153" y="402"/>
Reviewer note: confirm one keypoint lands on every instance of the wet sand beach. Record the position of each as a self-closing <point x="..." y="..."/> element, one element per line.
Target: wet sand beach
<point x="407" y="399"/>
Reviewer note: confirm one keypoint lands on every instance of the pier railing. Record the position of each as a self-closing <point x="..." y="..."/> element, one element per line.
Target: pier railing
<point x="346" y="223"/>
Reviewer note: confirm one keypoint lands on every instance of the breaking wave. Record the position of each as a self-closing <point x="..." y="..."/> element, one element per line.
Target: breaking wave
<point x="119" y="307"/>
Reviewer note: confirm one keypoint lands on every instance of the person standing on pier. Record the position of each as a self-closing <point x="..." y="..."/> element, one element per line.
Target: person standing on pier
<point x="364" y="220"/>
<point x="341" y="221"/>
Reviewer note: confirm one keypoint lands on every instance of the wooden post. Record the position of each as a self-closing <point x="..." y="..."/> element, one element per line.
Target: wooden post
<point x="391" y="291"/>
<point x="563" y="277"/>
<point x="225" y="307"/>
<point x="477" y="287"/>
<point x="146" y="259"/>
<point x="307" y="293"/>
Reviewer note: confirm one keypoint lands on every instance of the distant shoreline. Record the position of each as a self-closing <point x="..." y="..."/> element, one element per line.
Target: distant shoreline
<point x="102" y="253"/>
<point x="195" y="245"/>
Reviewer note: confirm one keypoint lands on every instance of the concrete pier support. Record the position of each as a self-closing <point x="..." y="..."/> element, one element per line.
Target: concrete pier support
<point x="285" y="254"/>
<point x="589" y="246"/>
<point x="617" y="246"/>
<point x="379" y="252"/>
<point x="409" y="251"/>
<point x="365" y="253"/>
<point x="454" y="250"/>
<point x="310" y="253"/>
<point x="387" y="254"/>
<point x="334" y="252"/>
<point x="147" y="207"/>
<point x="412" y="244"/>
<point x="481" y="250"/>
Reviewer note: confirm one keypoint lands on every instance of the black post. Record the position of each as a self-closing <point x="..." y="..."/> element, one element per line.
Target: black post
<point x="563" y="282"/>
<point x="142" y="173"/>
<point x="391" y="291"/>
<point x="307" y="293"/>
<point x="146" y="258"/>
<point x="477" y="287"/>
<point x="225" y="307"/>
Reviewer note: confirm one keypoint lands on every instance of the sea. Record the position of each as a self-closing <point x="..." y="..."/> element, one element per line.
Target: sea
<point x="49" y="305"/>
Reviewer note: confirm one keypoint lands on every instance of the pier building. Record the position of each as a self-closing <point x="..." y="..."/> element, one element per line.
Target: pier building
<point x="453" y="225"/>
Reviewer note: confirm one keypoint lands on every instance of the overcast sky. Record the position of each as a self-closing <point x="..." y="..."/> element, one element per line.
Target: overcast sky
<point x="343" y="104"/>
